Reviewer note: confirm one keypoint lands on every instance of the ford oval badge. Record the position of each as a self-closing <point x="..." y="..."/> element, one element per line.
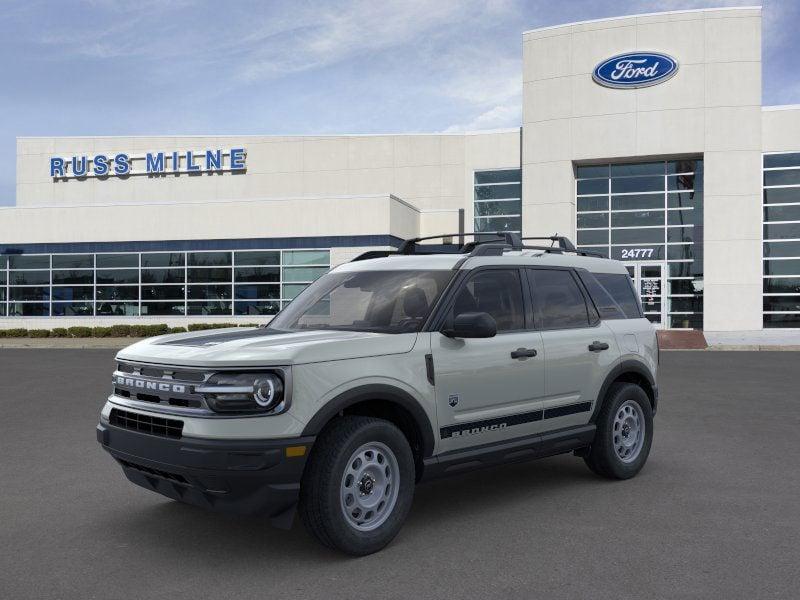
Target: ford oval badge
<point x="635" y="70"/>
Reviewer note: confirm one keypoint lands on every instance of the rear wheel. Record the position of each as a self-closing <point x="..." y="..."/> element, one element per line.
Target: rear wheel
<point x="357" y="489"/>
<point x="624" y="433"/>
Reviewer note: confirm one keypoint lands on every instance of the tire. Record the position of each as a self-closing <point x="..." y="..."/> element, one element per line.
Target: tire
<point x="615" y="453"/>
<point x="365" y="461"/>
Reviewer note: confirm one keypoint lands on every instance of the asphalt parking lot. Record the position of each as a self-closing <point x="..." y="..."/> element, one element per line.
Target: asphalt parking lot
<point x="714" y="514"/>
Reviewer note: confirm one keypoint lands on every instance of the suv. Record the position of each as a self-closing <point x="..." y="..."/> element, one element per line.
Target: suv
<point x="396" y="367"/>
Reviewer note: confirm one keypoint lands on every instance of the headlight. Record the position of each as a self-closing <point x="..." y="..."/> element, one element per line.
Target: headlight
<point x="244" y="393"/>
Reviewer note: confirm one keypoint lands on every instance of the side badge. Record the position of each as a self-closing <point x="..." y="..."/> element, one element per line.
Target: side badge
<point x="453" y="399"/>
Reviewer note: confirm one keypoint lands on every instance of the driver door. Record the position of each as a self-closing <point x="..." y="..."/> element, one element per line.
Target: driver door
<point x="481" y="389"/>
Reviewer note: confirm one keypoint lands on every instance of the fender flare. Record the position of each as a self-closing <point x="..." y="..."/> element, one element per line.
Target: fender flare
<point x="375" y="391"/>
<point x="626" y="366"/>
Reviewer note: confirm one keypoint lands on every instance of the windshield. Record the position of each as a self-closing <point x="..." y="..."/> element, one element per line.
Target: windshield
<point x="378" y="301"/>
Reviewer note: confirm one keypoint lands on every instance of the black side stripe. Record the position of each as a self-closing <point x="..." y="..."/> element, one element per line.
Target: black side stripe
<point x="520" y="419"/>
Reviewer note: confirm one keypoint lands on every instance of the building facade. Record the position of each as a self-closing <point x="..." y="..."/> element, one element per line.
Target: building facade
<point x="643" y="138"/>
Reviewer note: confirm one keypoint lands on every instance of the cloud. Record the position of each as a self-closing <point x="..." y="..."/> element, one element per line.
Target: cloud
<point x="497" y="117"/>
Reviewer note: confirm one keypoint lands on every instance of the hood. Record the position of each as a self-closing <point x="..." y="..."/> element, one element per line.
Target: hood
<point x="240" y="346"/>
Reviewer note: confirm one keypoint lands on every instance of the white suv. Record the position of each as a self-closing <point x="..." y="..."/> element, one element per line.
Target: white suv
<point x="388" y="370"/>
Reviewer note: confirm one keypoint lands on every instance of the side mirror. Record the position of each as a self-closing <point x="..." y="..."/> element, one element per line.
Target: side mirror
<point x="472" y="325"/>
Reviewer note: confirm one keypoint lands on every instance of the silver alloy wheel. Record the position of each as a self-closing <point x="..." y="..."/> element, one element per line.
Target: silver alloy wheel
<point x="370" y="485"/>
<point x="629" y="431"/>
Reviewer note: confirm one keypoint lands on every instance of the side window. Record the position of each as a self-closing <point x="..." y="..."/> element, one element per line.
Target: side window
<point x="559" y="301"/>
<point x="494" y="291"/>
<point x="606" y="305"/>
<point x="619" y="286"/>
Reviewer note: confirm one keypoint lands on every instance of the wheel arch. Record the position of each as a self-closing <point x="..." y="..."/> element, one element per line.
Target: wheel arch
<point x="629" y="371"/>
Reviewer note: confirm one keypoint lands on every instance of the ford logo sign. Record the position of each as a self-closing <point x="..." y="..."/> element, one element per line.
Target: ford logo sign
<point x="635" y="70"/>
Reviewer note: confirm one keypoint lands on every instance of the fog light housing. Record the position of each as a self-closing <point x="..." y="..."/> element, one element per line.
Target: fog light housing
<point x="244" y="393"/>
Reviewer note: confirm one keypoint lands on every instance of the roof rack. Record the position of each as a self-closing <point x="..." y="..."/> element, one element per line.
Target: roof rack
<point x="485" y="243"/>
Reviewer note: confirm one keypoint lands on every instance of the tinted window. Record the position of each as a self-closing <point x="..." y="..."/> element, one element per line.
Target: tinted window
<point x="606" y="305"/>
<point x="620" y="288"/>
<point x="496" y="292"/>
<point x="559" y="301"/>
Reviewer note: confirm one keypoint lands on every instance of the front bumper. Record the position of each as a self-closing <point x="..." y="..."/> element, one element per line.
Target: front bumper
<point x="248" y="477"/>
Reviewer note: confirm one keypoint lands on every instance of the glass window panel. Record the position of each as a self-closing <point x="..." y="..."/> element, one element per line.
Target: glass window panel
<point x="73" y="309"/>
<point x="602" y="250"/>
<point x="686" y="321"/>
<point x="307" y="274"/>
<point x="637" y="201"/>
<point x="25" y="261"/>
<point x="621" y="290"/>
<point x="73" y="277"/>
<point x="488" y="209"/>
<point x="593" y="186"/>
<point x="29" y="277"/>
<point x="163" y="259"/>
<point x="680" y="234"/>
<point x="782" y="213"/>
<point x="118" y="276"/>
<point x="781" y="249"/>
<point x="499" y="176"/>
<point x="163" y="275"/>
<point x="84" y="292"/>
<point x="28" y="309"/>
<point x="496" y="292"/>
<point x="2" y="294"/>
<point x="257" y="292"/>
<point x="29" y="293"/>
<point x="2" y="310"/>
<point x="782" y="160"/>
<point x="684" y="182"/>
<point x="782" y="285"/>
<point x="651" y="168"/>
<point x="680" y="252"/>
<point x="637" y="236"/>
<point x="782" y="267"/>
<point x="117" y="261"/>
<point x="788" y="177"/>
<point x="162" y="292"/>
<point x="685" y="199"/>
<point x="593" y="220"/>
<point x="2" y="277"/>
<point x="637" y="184"/>
<point x="257" y="258"/>
<point x="592" y="237"/>
<point x="640" y="252"/>
<point x="257" y="274"/>
<point x="782" y="195"/>
<point x="3" y="261"/>
<point x="73" y="261"/>
<point x="306" y="257"/>
<point x="209" y="292"/>
<point x="593" y="203"/>
<point x="209" y="259"/>
<point x="162" y="308"/>
<point x="117" y="309"/>
<point x="775" y="321"/>
<point x="125" y="292"/>
<point x="684" y="217"/>
<point x="782" y="231"/>
<point x="782" y="303"/>
<point x="681" y="269"/>
<point x="492" y="192"/>
<point x="498" y="224"/>
<point x="209" y="308"/>
<point x="558" y="299"/>
<point x="637" y="219"/>
<point x="685" y="286"/>
<point x="209" y="275"/>
<point x="587" y="171"/>
<point x="694" y="304"/>
<point x="256" y="308"/>
<point x="684" y="166"/>
<point x="291" y="291"/>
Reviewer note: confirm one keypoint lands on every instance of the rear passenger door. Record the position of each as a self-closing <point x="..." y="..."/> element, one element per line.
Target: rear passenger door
<point x="579" y="348"/>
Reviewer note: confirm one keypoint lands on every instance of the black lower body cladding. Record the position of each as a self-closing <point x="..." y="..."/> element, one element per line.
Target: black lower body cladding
<point x="247" y="477"/>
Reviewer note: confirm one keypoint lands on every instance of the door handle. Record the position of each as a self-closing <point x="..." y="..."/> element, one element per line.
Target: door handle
<point x="523" y="353"/>
<point x="596" y="346"/>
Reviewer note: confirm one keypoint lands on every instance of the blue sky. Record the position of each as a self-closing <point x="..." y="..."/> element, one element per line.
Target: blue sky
<point x="102" y="67"/>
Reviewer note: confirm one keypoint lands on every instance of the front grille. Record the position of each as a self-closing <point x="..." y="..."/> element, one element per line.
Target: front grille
<point x="171" y="428"/>
<point x="167" y="386"/>
<point x="157" y="472"/>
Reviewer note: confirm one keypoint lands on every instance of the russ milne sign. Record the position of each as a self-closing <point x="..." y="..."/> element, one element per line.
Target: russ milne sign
<point x="151" y="163"/>
<point x="635" y="70"/>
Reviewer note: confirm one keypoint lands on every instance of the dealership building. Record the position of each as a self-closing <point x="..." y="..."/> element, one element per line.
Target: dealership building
<point x="643" y="138"/>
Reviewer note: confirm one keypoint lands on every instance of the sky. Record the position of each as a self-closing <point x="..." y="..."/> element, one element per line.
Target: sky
<point x="182" y="67"/>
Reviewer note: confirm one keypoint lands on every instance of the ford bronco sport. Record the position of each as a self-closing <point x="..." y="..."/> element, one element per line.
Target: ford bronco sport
<point x="396" y="367"/>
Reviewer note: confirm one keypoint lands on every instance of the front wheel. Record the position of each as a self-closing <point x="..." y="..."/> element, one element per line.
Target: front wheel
<point x="624" y="433"/>
<point x="357" y="489"/>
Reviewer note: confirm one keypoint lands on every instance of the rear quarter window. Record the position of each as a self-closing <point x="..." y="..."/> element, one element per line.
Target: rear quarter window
<point x="613" y="295"/>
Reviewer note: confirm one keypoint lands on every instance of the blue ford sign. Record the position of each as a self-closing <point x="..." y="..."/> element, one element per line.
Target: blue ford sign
<point x="635" y="70"/>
